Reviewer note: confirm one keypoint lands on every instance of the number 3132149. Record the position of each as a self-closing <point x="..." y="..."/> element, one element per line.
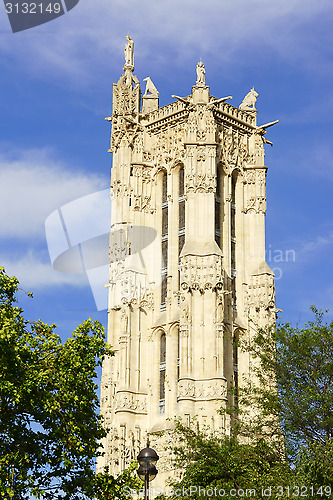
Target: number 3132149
<point x="33" y="8"/>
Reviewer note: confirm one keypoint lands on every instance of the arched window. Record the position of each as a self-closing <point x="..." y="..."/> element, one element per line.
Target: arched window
<point x="233" y="237"/>
<point x="162" y="366"/>
<point x="235" y="367"/>
<point x="218" y="206"/>
<point x="181" y="215"/>
<point x="164" y="269"/>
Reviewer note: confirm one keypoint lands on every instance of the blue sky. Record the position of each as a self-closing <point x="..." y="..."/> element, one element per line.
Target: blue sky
<point x="56" y="87"/>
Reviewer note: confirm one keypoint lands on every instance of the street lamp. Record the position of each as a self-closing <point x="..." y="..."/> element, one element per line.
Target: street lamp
<point x="147" y="471"/>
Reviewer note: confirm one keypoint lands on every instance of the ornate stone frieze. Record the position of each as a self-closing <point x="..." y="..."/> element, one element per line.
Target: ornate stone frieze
<point x="126" y="285"/>
<point x="133" y="403"/>
<point x="123" y="133"/>
<point x="126" y="95"/>
<point x="202" y="390"/>
<point x="146" y="301"/>
<point x="141" y="188"/>
<point x="234" y="149"/>
<point x="119" y="188"/>
<point x="200" y="183"/>
<point x="125" y="282"/>
<point x="169" y="147"/>
<point x="256" y="205"/>
<point x="261" y="292"/>
<point x="254" y="191"/>
<point x="200" y="272"/>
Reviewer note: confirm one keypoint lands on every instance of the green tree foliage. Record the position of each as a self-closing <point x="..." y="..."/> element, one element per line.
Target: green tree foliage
<point x="223" y="464"/>
<point x="281" y="445"/>
<point x="299" y="362"/>
<point x="292" y="396"/>
<point x="107" y="487"/>
<point x="314" y="465"/>
<point x="49" y="427"/>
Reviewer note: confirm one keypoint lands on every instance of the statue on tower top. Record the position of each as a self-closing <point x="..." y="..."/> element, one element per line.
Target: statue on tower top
<point x="249" y="101"/>
<point x="129" y="61"/>
<point x="129" y="52"/>
<point x="201" y="74"/>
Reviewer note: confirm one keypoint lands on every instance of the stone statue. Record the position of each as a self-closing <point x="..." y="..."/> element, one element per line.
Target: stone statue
<point x="150" y="88"/>
<point x="201" y="74"/>
<point x="129" y="52"/>
<point x="249" y="100"/>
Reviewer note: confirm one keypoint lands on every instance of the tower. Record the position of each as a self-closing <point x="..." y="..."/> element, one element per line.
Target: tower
<point x="187" y="260"/>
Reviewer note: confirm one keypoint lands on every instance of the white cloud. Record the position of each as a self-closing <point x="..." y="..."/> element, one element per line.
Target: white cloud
<point x="32" y="186"/>
<point x="305" y="251"/>
<point x="34" y="273"/>
<point x="92" y="35"/>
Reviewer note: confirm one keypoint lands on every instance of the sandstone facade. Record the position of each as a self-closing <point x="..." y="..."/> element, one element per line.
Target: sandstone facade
<point x="187" y="260"/>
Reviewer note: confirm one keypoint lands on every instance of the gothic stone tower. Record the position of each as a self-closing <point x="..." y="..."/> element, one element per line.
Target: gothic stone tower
<point x="187" y="260"/>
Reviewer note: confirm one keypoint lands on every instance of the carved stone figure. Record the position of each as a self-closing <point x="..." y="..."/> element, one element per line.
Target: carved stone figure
<point x="201" y="74"/>
<point x="150" y="88"/>
<point x="129" y="51"/>
<point x="249" y="100"/>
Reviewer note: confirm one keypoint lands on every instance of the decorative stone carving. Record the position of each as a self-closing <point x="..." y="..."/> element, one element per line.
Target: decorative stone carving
<point x="249" y="101"/>
<point x="200" y="272"/>
<point x="134" y="403"/>
<point x="255" y="191"/>
<point x="142" y="188"/>
<point x="123" y="132"/>
<point x="234" y="149"/>
<point x="220" y="309"/>
<point x="230" y="149"/>
<point x="200" y="183"/>
<point x="119" y="189"/>
<point x="202" y="390"/>
<point x="125" y="98"/>
<point x="129" y="51"/>
<point x="169" y="147"/>
<point x="126" y="102"/>
<point x="185" y="317"/>
<point x="201" y="74"/>
<point x="150" y="88"/>
<point x="260" y="297"/>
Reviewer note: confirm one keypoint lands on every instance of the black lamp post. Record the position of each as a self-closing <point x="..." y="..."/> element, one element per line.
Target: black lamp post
<point x="147" y="471"/>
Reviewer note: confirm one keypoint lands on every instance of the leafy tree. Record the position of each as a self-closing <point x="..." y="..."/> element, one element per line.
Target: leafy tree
<point x="299" y="363"/>
<point x="49" y="428"/>
<point x="314" y="465"/>
<point x="106" y="486"/>
<point x="224" y="465"/>
<point x="283" y="422"/>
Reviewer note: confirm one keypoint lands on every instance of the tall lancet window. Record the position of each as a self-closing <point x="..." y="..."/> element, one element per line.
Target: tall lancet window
<point x="162" y="374"/>
<point x="164" y="269"/>
<point x="235" y="367"/>
<point x="181" y="215"/>
<point x="233" y="237"/>
<point x="218" y="206"/>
